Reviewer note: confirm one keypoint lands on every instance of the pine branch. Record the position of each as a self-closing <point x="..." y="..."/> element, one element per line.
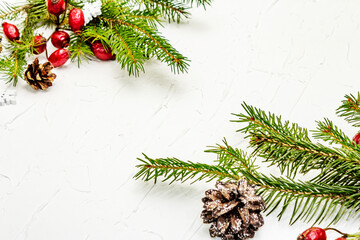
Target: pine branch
<point x="171" y="10"/>
<point x="156" y="44"/>
<point x="10" y="11"/>
<point x="13" y="66"/>
<point x="198" y="3"/>
<point x="79" y="49"/>
<point x="129" y="28"/>
<point x="233" y="157"/>
<point x="350" y="109"/>
<point x="331" y="195"/>
<point x="309" y="201"/>
<point x="288" y="146"/>
<point x="327" y="131"/>
<point x="313" y="201"/>
<point x="176" y="170"/>
<point x="283" y="144"/>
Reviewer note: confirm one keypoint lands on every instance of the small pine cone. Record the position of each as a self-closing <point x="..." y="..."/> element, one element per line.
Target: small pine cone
<point x="234" y="210"/>
<point x="0" y="44"/>
<point x="39" y="76"/>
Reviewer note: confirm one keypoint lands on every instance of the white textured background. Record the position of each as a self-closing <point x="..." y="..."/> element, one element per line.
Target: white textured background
<point x="67" y="155"/>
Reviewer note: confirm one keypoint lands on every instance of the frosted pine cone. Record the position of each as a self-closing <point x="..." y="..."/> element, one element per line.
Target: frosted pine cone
<point x="39" y="76"/>
<point x="234" y="210"/>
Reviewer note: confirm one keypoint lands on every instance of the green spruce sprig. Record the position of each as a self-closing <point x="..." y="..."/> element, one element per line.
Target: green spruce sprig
<point x="129" y="28"/>
<point x="332" y="194"/>
<point x="350" y="109"/>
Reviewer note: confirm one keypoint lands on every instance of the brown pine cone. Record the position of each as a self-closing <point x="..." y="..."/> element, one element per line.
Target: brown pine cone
<point x="39" y="76"/>
<point x="234" y="210"/>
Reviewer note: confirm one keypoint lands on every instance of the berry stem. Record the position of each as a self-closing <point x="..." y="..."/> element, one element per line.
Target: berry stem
<point x="64" y="14"/>
<point x="334" y="229"/>
<point x="46" y="54"/>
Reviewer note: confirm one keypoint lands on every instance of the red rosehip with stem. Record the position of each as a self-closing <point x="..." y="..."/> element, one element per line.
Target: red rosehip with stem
<point x="59" y="57"/>
<point x="39" y="44"/>
<point x="101" y="52"/>
<point x="60" y="39"/>
<point x="56" y="7"/>
<point x="313" y="233"/>
<point x="76" y="19"/>
<point x="356" y="138"/>
<point x="11" y="31"/>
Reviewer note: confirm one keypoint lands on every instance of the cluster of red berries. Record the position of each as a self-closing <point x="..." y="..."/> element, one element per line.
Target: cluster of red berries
<point x="316" y="233"/>
<point x="60" y="39"/>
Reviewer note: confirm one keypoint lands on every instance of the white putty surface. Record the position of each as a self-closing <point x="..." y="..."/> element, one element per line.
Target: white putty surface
<point x="68" y="155"/>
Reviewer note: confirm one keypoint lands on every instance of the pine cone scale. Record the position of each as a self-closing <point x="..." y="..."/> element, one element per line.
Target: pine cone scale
<point x="222" y="224"/>
<point x="223" y="208"/>
<point x="236" y="223"/>
<point x="245" y="216"/>
<point x="256" y="220"/>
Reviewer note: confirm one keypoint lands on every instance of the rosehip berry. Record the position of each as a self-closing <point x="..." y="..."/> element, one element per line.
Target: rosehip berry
<point x="313" y="233"/>
<point x="59" y="57"/>
<point x="356" y="138"/>
<point x="40" y="44"/>
<point x="101" y="52"/>
<point x="11" y="31"/>
<point x="76" y="19"/>
<point x="56" y="7"/>
<point x="60" y="39"/>
<point x="341" y="238"/>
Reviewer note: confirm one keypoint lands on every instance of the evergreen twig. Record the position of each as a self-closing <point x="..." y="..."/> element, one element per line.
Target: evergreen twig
<point x="350" y="109"/>
<point x="333" y="194"/>
<point x="129" y="28"/>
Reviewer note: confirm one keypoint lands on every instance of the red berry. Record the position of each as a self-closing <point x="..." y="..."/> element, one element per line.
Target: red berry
<point x="76" y="19"/>
<point x="39" y="44"/>
<point x="356" y="138"/>
<point x="60" y="39"/>
<point x="56" y="7"/>
<point x="101" y="52"/>
<point x="313" y="233"/>
<point x="341" y="238"/>
<point x="59" y="57"/>
<point x="11" y="31"/>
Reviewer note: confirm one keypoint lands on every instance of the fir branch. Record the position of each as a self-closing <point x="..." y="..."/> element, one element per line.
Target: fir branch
<point x="198" y="3"/>
<point x="13" y="67"/>
<point x="288" y="146"/>
<point x="176" y="170"/>
<point x="283" y="144"/>
<point x="313" y="201"/>
<point x="10" y="11"/>
<point x="350" y="109"/>
<point x="173" y="11"/>
<point x="79" y="49"/>
<point x="233" y="157"/>
<point x="327" y="131"/>
<point x="158" y="45"/>
<point x="129" y="28"/>
<point x="331" y="195"/>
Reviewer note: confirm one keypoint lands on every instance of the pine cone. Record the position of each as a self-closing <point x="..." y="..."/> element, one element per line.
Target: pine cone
<point x="39" y="76"/>
<point x="0" y="44"/>
<point x="233" y="209"/>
